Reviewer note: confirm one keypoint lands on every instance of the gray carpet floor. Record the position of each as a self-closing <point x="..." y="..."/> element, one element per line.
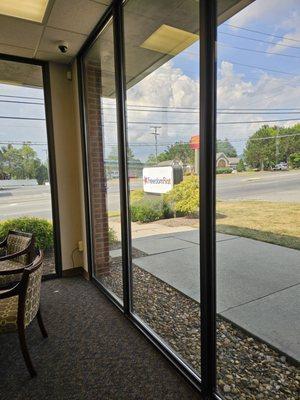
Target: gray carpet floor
<point x="92" y="352"/>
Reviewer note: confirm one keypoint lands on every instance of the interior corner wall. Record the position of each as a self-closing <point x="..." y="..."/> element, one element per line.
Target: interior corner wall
<point x="68" y="163"/>
<point x="80" y="161"/>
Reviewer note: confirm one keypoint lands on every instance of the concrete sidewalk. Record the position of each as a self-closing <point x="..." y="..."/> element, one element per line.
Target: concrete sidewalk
<point x="258" y="283"/>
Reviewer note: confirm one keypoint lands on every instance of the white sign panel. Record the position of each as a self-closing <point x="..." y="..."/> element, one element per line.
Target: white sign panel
<point x="158" y="179"/>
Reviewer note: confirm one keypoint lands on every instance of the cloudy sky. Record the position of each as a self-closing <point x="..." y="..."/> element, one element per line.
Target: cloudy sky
<point x="258" y="80"/>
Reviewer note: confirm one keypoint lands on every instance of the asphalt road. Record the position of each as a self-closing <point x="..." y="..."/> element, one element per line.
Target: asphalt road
<point x="272" y="186"/>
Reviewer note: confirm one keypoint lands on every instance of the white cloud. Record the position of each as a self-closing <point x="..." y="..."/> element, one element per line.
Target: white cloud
<point x="268" y="92"/>
<point x="266" y="10"/>
<point x="169" y="86"/>
<point x="292" y="25"/>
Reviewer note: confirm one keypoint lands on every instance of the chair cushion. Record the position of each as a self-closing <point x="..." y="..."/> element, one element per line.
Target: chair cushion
<point x="7" y="266"/>
<point x="17" y="243"/>
<point x="8" y="314"/>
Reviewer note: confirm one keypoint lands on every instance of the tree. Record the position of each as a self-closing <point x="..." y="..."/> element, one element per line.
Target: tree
<point x="224" y="146"/>
<point x="18" y="163"/>
<point x="41" y="174"/>
<point x="294" y="160"/>
<point x="177" y="151"/>
<point x="260" y="151"/>
<point x="114" y="155"/>
<point x="30" y="161"/>
<point x="241" y="166"/>
<point x="271" y="145"/>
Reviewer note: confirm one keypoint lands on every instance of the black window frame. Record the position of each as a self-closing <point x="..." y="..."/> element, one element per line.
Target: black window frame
<point x="51" y="153"/>
<point x="206" y="384"/>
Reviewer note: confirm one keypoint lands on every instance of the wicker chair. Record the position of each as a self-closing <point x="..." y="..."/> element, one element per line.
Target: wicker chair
<point x="16" y="251"/>
<point x="21" y="304"/>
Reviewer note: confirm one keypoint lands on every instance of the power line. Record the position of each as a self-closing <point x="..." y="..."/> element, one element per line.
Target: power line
<point x="16" y="142"/>
<point x="256" y="122"/>
<point x="263" y="33"/>
<point x="258" y="40"/>
<point x="20" y="102"/>
<point x="261" y="68"/>
<point x="197" y="123"/>
<point x="191" y="110"/>
<point x="257" y="51"/>
<point x="136" y="144"/>
<point x="25" y="118"/>
<point x="22" y="97"/>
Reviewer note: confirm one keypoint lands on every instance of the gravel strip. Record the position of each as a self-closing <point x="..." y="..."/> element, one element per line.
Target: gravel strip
<point x="247" y="368"/>
<point x="49" y="262"/>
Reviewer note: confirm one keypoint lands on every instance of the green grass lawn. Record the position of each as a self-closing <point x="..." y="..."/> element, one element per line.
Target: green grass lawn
<point x="271" y="222"/>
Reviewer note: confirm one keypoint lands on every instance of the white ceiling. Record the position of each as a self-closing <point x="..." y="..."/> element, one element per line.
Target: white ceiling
<point x="65" y="20"/>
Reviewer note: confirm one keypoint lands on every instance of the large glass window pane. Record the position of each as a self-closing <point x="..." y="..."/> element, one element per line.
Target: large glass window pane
<point x="103" y="162"/>
<point x="162" y="74"/>
<point x="258" y="201"/>
<point x="25" y="187"/>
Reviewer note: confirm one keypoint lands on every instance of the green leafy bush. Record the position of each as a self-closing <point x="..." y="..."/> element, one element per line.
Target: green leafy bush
<point x="183" y="199"/>
<point x="41" y="228"/>
<point x="147" y="210"/>
<point x="224" y="171"/>
<point x="136" y="195"/>
<point x="112" y="236"/>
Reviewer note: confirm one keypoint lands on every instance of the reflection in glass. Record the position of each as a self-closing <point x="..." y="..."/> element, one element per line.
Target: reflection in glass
<point x="162" y="74"/>
<point x="103" y="162"/>
<point x="258" y="207"/>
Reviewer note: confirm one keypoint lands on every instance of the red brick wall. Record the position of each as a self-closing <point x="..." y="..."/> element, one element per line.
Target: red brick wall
<point x="97" y="179"/>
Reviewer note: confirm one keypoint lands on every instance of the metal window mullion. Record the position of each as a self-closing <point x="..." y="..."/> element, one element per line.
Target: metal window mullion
<point x="120" y="79"/>
<point x="207" y="195"/>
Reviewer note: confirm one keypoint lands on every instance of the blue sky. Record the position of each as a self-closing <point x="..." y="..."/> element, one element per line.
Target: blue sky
<point x="268" y="79"/>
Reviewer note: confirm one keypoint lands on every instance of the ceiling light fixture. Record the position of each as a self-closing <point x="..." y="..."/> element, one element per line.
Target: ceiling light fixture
<point x="169" y="40"/>
<point x="33" y="10"/>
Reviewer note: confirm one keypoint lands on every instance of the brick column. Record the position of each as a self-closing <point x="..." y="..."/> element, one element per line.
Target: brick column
<point x="97" y="178"/>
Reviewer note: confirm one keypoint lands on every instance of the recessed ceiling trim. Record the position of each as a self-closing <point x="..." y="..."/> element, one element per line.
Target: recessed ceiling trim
<point x="31" y="10"/>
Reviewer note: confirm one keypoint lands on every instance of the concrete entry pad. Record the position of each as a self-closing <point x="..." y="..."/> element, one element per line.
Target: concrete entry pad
<point x="251" y="276"/>
<point x="154" y="244"/>
<point x="274" y="318"/>
<point x="194" y="237"/>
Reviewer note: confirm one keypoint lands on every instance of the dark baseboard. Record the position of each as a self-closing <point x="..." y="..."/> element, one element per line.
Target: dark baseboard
<point x="77" y="271"/>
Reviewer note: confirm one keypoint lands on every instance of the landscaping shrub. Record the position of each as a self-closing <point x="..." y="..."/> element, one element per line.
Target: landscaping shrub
<point x="136" y="195"/>
<point x="112" y="236"/>
<point x="183" y="199"/>
<point x="147" y="210"/>
<point x="41" y="228"/>
<point x="224" y="171"/>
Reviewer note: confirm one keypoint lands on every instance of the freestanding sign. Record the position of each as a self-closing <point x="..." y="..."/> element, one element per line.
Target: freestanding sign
<point x="158" y="179"/>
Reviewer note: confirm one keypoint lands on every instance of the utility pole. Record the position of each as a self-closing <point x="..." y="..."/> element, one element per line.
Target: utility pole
<point x="156" y="134"/>
<point x="277" y="146"/>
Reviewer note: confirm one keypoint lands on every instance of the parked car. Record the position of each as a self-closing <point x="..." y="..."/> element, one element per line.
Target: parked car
<point x="283" y="166"/>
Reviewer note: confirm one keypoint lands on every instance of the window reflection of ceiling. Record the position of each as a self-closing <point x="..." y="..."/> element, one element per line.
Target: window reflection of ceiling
<point x="16" y="73"/>
<point x="141" y="20"/>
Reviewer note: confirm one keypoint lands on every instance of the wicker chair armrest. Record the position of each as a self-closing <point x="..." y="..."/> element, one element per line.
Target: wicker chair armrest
<point x="11" y="271"/>
<point x="14" y="291"/>
<point x="15" y="255"/>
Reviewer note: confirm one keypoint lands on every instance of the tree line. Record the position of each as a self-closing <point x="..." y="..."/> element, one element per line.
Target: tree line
<point x="22" y="163"/>
<point x="271" y="145"/>
<point x="264" y="149"/>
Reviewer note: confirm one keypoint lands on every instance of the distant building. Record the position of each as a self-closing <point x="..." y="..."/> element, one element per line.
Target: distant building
<point x="222" y="161"/>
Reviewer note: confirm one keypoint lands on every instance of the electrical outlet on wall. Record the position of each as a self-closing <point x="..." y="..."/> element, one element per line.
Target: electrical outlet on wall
<point x="80" y="245"/>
